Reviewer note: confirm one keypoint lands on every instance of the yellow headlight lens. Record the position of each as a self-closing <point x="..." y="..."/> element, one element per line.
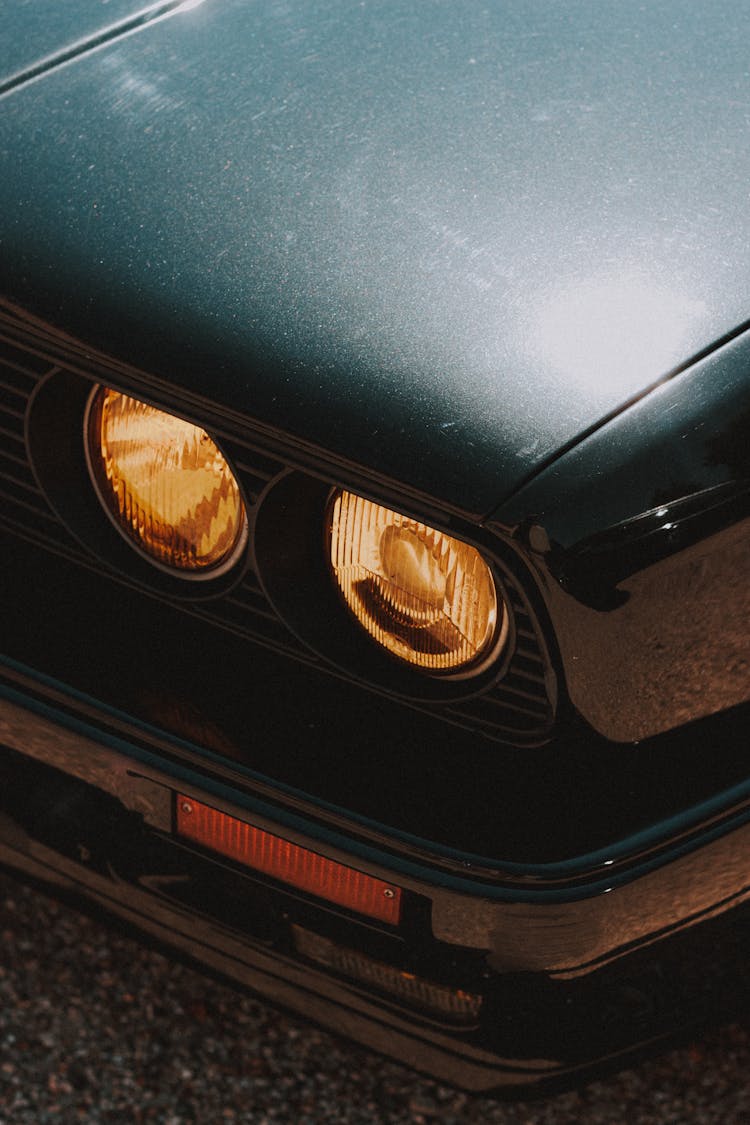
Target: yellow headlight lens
<point x="423" y="595"/>
<point x="166" y="484"/>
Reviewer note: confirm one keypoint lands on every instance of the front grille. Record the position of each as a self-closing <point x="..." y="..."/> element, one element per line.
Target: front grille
<point x="24" y="508"/>
<point x="517" y="708"/>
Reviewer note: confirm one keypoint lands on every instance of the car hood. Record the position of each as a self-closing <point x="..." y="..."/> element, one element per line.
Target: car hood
<point x="39" y="33"/>
<point x="442" y="241"/>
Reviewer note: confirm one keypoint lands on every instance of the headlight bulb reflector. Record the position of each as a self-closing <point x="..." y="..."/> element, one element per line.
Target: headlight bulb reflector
<point x="424" y="596"/>
<point x="165" y="484"/>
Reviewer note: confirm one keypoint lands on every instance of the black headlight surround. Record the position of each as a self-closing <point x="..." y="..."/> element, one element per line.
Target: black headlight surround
<point x="297" y="580"/>
<point x="486" y="659"/>
<point x="210" y="573"/>
<point x="55" y="434"/>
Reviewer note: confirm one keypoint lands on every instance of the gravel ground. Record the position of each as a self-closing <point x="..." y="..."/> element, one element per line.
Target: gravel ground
<point x="94" y="1028"/>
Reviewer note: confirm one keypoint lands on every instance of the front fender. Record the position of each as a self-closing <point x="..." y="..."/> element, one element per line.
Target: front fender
<point x="639" y="540"/>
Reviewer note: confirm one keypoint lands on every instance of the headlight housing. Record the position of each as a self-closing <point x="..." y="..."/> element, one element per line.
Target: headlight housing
<point x="425" y="597"/>
<point x="165" y="484"/>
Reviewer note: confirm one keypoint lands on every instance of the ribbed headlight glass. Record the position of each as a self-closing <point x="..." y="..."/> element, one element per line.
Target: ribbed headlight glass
<point x="424" y="596"/>
<point x="166" y="485"/>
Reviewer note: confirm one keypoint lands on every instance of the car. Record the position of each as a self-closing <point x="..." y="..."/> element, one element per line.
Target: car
<point x="374" y="428"/>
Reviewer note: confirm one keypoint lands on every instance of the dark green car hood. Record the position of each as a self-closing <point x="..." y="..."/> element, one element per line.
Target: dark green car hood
<point x="441" y="240"/>
<point x="35" y="33"/>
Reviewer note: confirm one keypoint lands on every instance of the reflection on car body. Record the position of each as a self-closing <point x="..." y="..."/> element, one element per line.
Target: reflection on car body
<point x="374" y="413"/>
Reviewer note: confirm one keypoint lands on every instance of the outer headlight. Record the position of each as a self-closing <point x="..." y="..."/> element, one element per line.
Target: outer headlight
<point x="424" y="596"/>
<point x="165" y="484"/>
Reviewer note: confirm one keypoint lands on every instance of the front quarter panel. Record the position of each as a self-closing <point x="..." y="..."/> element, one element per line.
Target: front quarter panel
<point x="639" y="537"/>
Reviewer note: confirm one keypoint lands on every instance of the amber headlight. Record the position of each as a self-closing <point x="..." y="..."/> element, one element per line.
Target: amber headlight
<point x="165" y="484"/>
<point x="424" y="596"/>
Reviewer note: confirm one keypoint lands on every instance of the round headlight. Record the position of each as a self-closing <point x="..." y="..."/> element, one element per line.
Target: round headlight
<point x="424" y="596"/>
<point x="165" y="484"/>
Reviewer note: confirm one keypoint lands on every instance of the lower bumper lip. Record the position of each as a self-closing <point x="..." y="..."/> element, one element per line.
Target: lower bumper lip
<point x="285" y="982"/>
<point x="540" y="928"/>
<point x="535" y="953"/>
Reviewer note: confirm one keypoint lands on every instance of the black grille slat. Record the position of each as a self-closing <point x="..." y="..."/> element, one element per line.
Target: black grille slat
<point x="509" y="717"/>
<point x="254" y="605"/>
<point x="12" y="479"/>
<point x="508" y="688"/>
<point x="250" y="471"/>
<point x="253" y="483"/>
<point x="13" y="434"/>
<point x="258" y="464"/>
<point x="522" y="704"/>
<point x="251" y="611"/>
<point x="531" y="716"/>
<point x="8" y="409"/>
<point x="268" y="632"/>
<point x="23" y="530"/>
<point x="263" y="628"/>
<point x="30" y="363"/>
<point x="13" y="458"/>
<point x="249" y="586"/>
<point x="524" y="731"/>
<point x="253" y="489"/>
<point x="13" y="411"/>
<point x="254" y="469"/>
<point x="17" y="375"/>
<point x="10" y="391"/>
<point x="534" y="676"/>
<point x="33" y="527"/>
<point x="39" y="510"/>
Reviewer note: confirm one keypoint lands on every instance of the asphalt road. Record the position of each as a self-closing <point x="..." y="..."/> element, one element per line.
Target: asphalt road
<point x="95" y="1028"/>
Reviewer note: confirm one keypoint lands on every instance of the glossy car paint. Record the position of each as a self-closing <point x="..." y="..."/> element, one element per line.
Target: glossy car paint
<point x="562" y="946"/>
<point x="432" y="258"/>
<point x="38" y="34"/>
<point x="443" y="244"/>
<point x="640" y="540"/>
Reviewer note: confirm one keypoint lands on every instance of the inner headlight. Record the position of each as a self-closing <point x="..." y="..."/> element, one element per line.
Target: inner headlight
<point x="165" y="484"/>
<point x="424" y="596"/>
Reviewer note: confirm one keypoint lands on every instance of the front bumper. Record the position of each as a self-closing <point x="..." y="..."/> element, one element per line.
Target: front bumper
<point x="572" y="967"/>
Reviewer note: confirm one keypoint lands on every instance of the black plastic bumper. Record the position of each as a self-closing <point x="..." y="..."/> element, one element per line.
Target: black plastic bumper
<point x="560" y="979"/>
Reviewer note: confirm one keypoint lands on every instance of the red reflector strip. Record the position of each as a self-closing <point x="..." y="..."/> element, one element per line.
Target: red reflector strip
<point x="287" y="862"/>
